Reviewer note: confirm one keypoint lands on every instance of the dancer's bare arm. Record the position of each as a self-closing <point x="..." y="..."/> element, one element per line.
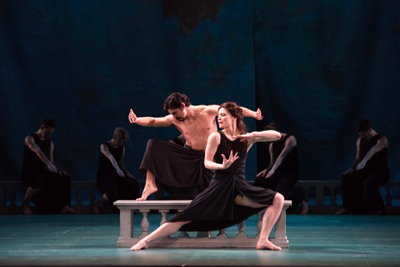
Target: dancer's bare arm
<point x="104" y="150"/>
<point x="263" y="173"/>
<point x="30" y="142"/>
<point x="212" y="145"/>
<point x="262" y="136"/>
<point x="272" y="156"/>
<point x="150" y="121"/>
<point x="357" y="159"/>
<point x="290" y="143"/>
<point x="250" y="113"/>
<point x="213" y="109"/>
<point x="382" y="143"/>
<point x="122" y="164"/>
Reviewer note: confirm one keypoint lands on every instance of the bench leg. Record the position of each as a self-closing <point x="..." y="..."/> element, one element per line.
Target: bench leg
<point x="145" y="224"/>
<point x="125" y="226"/>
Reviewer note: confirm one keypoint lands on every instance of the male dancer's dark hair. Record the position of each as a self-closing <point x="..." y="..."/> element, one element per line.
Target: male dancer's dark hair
<point x="175" y="100"/>
<point x="363" y="125"/>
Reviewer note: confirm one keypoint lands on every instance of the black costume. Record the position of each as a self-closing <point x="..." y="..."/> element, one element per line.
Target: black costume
<point x="110" y="183"/>
<point x="179" y="170"/>
<point x="55" y="188"/>
<point x="360" y="188"/>
<point x="214" y="208"/>
<point x="286" y="175"/>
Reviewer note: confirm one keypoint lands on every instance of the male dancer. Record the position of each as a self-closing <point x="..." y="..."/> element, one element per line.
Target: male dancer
<point x="180" y="170"/>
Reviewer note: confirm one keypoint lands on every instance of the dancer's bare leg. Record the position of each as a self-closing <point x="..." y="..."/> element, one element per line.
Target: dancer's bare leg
<point x="150" y="186"/>
<point x="30" y="192"/>
<point x="270" y="217"/>
<point x="164" y="230"/>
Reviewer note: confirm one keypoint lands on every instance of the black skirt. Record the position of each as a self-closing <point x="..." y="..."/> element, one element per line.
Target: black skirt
<point x="178" y="170"/>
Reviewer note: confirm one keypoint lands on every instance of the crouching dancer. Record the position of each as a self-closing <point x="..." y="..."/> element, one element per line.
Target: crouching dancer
<point x="229" y="199"/>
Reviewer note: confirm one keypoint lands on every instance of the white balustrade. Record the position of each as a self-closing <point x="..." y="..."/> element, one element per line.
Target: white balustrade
<point x="128" y="238"/>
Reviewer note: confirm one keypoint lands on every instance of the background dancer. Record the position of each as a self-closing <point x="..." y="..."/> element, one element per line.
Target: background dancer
<point x="283" y="171"/>
<point x="48" y="186"/>
<point x="360" y="184"/>
<point x="113" y="179"/>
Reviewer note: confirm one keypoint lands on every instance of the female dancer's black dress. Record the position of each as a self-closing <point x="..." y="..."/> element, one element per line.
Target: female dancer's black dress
<point x="214" y="208"/>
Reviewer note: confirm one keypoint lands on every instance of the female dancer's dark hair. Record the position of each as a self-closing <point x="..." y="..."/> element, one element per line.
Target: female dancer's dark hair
<point x="236" y="111"/>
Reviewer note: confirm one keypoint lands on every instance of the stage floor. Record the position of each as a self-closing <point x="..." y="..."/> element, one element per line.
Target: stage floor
<point x="90" y="240"/>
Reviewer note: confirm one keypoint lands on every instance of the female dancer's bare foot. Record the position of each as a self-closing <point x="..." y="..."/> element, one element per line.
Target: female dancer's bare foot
<point x="267" y="245"/>
<point x="147" y="191"/>
<point x="139" y="245"/>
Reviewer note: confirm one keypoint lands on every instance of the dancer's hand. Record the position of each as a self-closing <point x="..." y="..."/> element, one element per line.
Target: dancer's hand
<point x="120" y="173"/>
<point x="226" y="163"/>
<point x="52" y="167"/>
<point x="261" y="174"/>
<point x="360" y="165"/>
<point x="132" y="116"/>
<point x="61" y="172"/>
<point x="269" y="174"/>
<point x="258" y="115"/>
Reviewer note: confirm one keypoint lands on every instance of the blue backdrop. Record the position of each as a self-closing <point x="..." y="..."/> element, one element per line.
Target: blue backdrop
<point x="313" y="67"/>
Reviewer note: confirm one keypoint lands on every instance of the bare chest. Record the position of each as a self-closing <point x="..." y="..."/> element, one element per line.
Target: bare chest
<point x="197" y="130"/>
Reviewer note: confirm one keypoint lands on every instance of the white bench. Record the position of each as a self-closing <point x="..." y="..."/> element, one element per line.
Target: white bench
<point x="127" y="237"/>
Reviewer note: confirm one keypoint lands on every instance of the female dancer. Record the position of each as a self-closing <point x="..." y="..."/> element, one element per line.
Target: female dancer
<point x="229" y="199"/>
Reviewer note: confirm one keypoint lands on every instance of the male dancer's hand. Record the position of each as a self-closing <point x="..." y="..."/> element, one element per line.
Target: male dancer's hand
<point x="132" y="116"/>
<point x="258" y="115"/>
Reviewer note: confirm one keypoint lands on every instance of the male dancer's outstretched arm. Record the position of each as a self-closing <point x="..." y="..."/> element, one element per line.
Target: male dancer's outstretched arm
<point x="165" y="121"/>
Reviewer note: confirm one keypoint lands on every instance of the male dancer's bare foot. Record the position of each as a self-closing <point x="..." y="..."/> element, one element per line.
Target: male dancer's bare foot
<point x="26" y="210"/>
<point x="267" y="245"/>
<point x="139" y="245"/>
<point x="147" y="191"/>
